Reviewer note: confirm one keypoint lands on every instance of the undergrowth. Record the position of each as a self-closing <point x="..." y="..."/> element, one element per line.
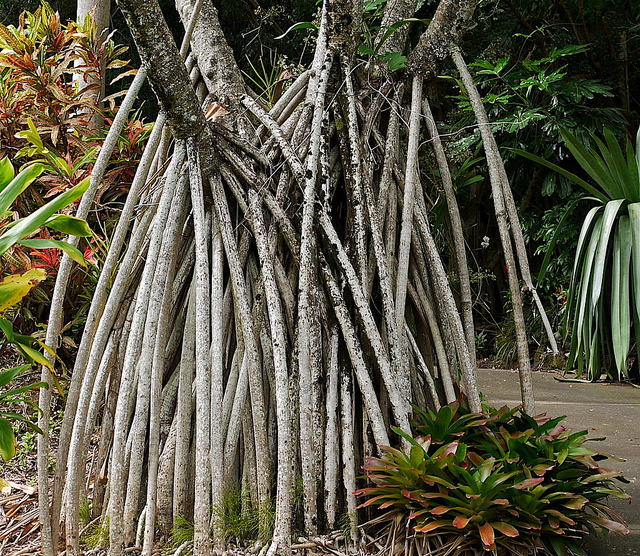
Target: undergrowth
<point x="500" y="481"/>
<point x="97" y="535"/>
<point x="237" y="519"/>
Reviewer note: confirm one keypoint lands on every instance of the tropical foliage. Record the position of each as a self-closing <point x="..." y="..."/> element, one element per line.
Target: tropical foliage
<point x="501" y="480"/>
<point x="603" y="301"/>
<point x="14" y="287"/>
<point x="52" y="114"/>
<point x="533" y="84"/>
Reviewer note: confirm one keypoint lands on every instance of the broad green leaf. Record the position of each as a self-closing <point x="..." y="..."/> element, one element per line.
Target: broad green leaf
<point x="608" y="221"/>
<point x="576" y="179"/>
<point x="7" y="440"/>
<point x="6" y="172"/>
<point x="34" y="130"/>
<point x="15" y="286"/>
<point x="562" y="456"/>
<point x="7" y="328"/>
<point x="34" y="355"/>
<point x="31" y="223"/>
<point x="620" y="300"/>
<point x="558" y="546"/>
<point x="69" y="249"/>
<point x="593" y="164"/>
<point x="23" y="343"/>
<point x="17" y="185"/>
<point x="69" y="225"/>
<point x="416" y="455"/>
<point x="7" y="376"/>
<point x="22" y="389"/>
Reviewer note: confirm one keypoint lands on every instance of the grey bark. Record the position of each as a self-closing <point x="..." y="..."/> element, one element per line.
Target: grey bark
<point x="494" y="162"/>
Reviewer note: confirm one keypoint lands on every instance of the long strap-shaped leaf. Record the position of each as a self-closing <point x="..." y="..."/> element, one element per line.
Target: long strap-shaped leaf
<point x="18" y="185"/>
<point x="625" y="179"/>
<point x="582" y="289"/>
<point x="634" y="218"/>
<point x="608" y="222"/>
<point x="593" y="164"/>
<point x="6" y="172"/>
<point x="633" y="171"/>
<point x="569" y="175"/>
<point x="580" y="251"/>
<point x="31" y="223"/>
<point x="620" y="300"/>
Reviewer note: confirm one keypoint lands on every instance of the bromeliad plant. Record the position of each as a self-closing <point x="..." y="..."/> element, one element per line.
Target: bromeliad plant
<point x="500" y="481"/>
<point x="603" y="301"/>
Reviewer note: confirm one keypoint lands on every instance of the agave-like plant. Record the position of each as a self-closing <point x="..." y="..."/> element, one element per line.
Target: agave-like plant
<point x="14" y="287"/>
<point x="500" y="481"/>
<point x="604" y="297"/>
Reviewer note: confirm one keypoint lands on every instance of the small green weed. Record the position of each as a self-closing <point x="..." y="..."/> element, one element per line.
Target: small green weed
<point x="181" y="532"/>
<point x="97" y="536"/>
<point x="236" y="518"/>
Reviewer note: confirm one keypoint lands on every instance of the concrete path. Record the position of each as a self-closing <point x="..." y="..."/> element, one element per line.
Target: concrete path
<point x="609" y="410"/>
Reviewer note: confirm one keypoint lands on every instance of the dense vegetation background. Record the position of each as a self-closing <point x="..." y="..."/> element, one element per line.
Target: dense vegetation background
<point x="543" y="67"/>
<point x="540" y="64"/>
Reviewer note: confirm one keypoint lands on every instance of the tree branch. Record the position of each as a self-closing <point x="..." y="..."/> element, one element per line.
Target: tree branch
<point x="396" y="11"/>
<point x="446" y="28"/>
<point x="167" y="74"/>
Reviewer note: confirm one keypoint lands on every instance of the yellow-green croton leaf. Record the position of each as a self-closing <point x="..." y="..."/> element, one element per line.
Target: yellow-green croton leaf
<point x="15" y="286"/>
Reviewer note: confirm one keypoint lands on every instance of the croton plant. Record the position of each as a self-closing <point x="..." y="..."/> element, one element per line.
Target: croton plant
<point x="501" y="481"/>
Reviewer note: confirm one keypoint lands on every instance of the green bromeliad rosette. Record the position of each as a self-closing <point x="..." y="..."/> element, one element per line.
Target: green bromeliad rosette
<point x="500" y="481"/>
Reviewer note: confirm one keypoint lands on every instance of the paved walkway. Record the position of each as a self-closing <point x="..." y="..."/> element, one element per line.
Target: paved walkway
<point x="609" y="410"/>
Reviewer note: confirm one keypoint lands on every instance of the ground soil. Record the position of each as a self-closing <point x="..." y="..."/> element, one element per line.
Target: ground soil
<point x="609" y="410"/>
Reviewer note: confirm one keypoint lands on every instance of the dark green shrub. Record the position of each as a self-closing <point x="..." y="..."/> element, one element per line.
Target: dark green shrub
<point x="500" y="481"/>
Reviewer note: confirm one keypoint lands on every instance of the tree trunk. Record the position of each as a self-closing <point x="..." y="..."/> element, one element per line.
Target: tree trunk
<point x="286" y="325"/>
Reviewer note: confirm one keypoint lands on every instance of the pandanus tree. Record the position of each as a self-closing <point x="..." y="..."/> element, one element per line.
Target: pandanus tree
<point x="273" y="299"/>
